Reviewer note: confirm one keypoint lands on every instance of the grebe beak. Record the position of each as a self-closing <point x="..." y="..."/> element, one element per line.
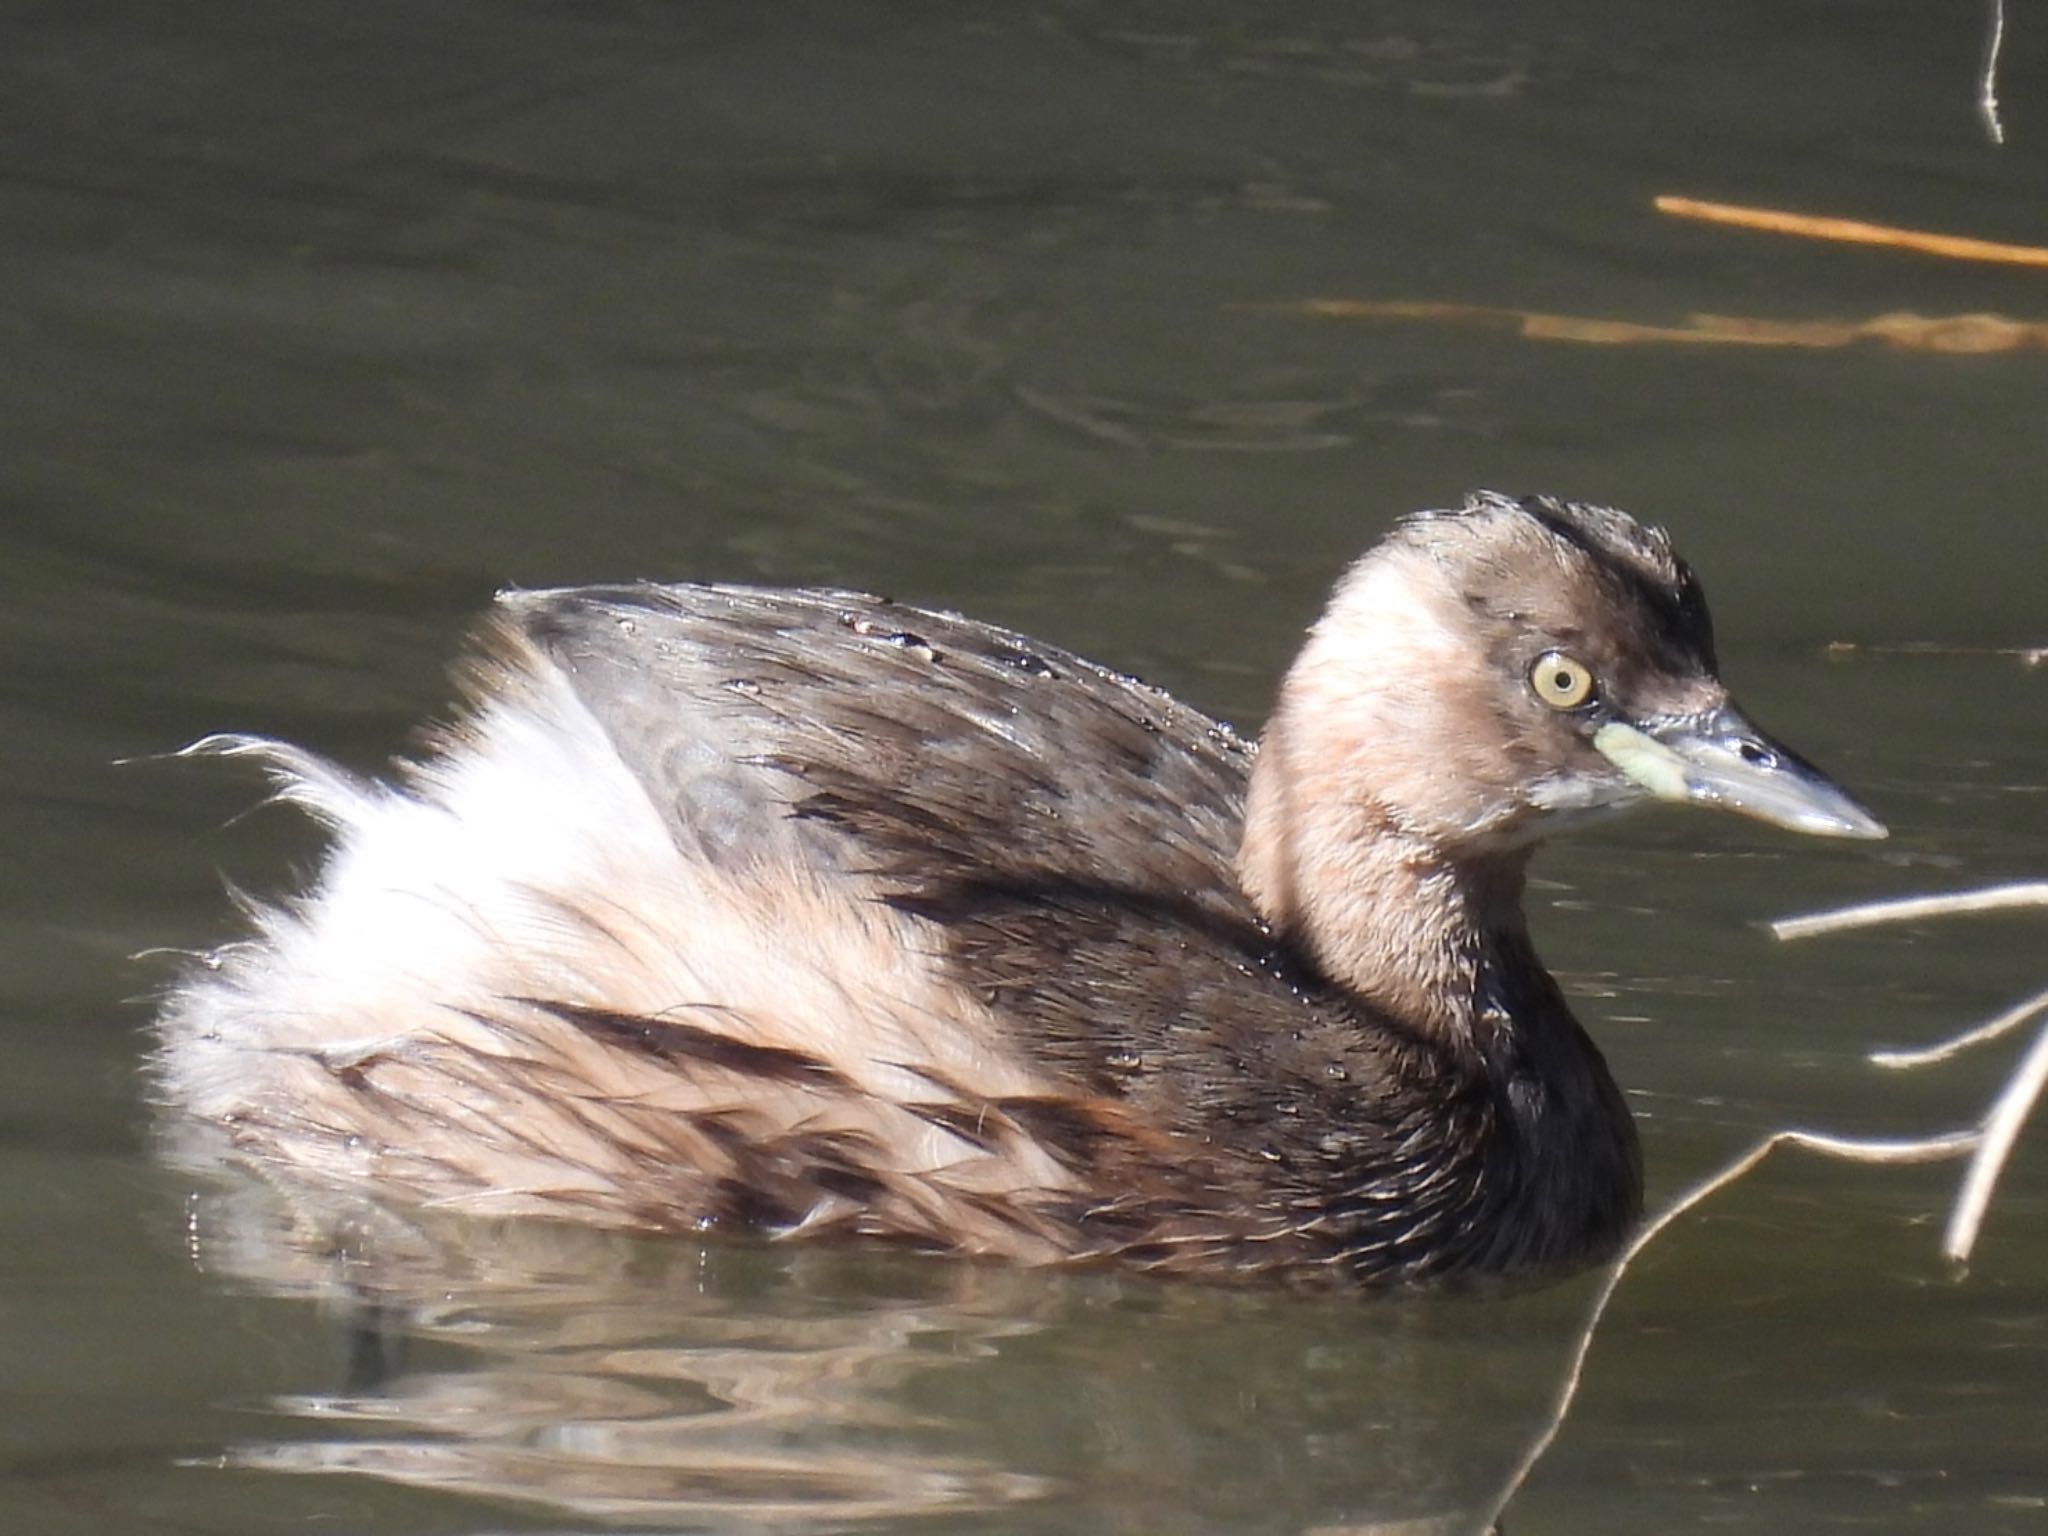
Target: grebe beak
<point x="1718" y="758"/>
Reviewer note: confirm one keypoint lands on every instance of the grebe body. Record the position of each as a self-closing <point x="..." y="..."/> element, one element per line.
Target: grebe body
<point x="804" y="912"/>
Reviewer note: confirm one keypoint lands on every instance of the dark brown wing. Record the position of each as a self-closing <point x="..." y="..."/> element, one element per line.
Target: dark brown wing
<point x="968" y="749"/>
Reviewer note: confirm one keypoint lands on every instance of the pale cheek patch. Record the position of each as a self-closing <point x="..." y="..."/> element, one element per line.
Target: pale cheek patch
<point x="1645" y="760"/>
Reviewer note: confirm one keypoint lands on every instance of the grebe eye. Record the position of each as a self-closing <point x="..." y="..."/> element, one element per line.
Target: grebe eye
<point x="1561" y="681"/>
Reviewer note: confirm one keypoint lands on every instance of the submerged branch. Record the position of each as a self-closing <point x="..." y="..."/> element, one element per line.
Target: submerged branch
<point x="2001" y="1124"/>
<point x="1987" y="1145"/>
<point x="1954" y="335"/>
<point x="1928" y="1149"/>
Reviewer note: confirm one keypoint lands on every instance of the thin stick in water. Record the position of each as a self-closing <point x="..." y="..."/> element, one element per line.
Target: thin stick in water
<point x="1813" y="226"/>
<point x="2009" y="1112"/>
<point x="1987" y="86"/>
<point x="1927" y="1149"/>
<point x="1955" y="1045"/>
<point x="1907" y="909"/>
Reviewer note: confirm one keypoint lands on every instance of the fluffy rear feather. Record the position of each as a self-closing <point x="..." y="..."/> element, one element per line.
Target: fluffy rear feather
<point x="613" y="948"/>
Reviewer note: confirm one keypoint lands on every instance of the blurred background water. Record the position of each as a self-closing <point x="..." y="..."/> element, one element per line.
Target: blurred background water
<point x="322" y="321"/>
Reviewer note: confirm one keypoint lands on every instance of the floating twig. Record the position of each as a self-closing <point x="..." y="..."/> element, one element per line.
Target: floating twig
<point x="1920" y="1150"/>
<point x="1990" y="1029"/>
<point x="1911" y="909"/>
<point x="1987" y="86"/>
<point x="2025" y="655"/>
<point x="1987" y="1145"/>
<point x="1779" y="221"/>
<point x="2009" y="1111"/>
<point x="2022" y="1091"/>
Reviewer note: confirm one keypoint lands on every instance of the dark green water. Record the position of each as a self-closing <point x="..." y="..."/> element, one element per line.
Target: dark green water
<point x="322" y="321"/>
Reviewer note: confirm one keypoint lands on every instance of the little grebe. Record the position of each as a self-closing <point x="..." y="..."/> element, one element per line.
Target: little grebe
<point x="802" y="912"/>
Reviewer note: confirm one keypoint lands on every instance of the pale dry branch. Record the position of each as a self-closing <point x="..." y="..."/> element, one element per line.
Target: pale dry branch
<point x="1907" y="909"/>
<point x="2009" y="1111"/>
<point x="1987" y="85"/>
<point x="2025" y="655"/>
<point x="1987" y="1146"/>
<point x="1928" y="1149"/>
<point x="1955" y="1045"/>
<point x="2000" y="1127"/>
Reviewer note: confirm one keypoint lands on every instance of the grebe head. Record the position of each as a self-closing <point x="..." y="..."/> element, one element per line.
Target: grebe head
<point x="1488" y="674"/>
<point x="1515" y="663"/>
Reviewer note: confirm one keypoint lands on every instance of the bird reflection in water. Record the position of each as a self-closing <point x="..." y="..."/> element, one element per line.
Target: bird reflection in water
<point x="621" y="1381"/>
<point x="635" y="1383"/>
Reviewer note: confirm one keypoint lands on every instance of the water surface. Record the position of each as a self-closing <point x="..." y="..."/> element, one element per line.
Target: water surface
<point x="324" y="321"/>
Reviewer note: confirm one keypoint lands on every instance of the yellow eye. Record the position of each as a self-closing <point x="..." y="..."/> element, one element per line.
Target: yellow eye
<point x="1561" y="681"/>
